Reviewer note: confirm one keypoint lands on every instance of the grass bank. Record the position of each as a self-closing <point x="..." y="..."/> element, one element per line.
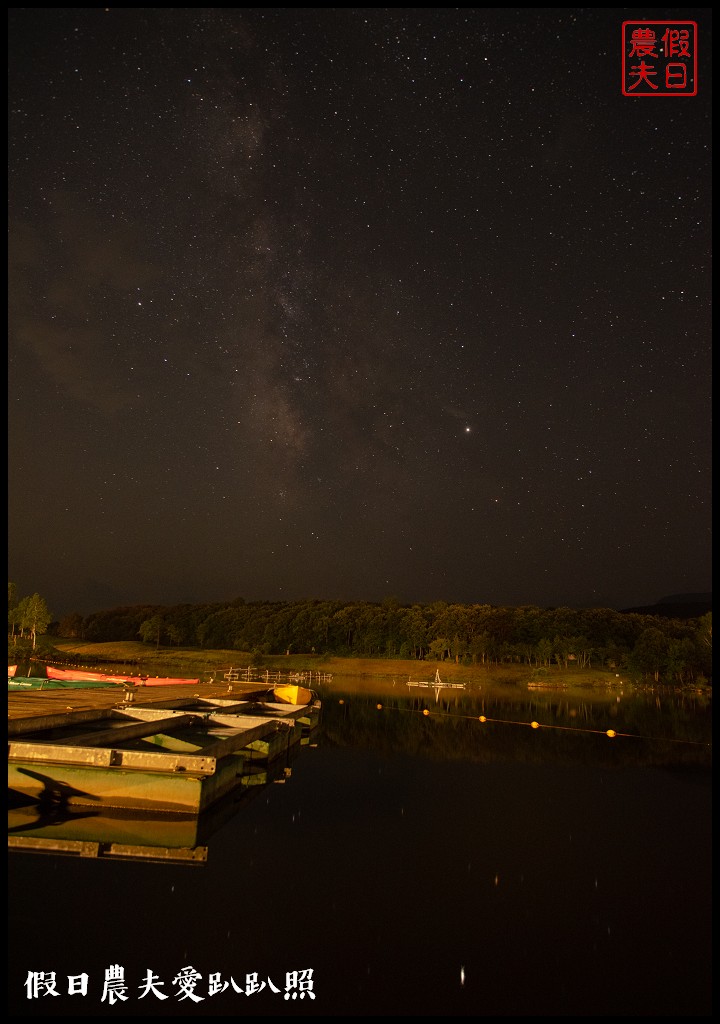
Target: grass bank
<point x="131" y="656"/>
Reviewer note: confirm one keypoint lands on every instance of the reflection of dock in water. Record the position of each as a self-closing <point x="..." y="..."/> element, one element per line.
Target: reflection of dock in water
<point x="133" y="835"/>
<point x="435" y="684"/>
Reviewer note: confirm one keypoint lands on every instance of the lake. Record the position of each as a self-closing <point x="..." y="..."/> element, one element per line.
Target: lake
<point x="410" y="864"/>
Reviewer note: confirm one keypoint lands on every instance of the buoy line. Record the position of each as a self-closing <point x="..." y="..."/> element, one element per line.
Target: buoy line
<point x="483" y="719"/>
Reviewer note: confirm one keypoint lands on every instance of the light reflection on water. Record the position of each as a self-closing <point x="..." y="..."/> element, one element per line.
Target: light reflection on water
<point x="421" y="865"/>
<point x="483" y="723"/>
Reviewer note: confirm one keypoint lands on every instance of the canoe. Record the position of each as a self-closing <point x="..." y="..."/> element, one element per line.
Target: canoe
<point x="35" y="683"/>
<point x="78" y="674"/>
<point x="287" y="693"/>
<point x="107" y="677"/>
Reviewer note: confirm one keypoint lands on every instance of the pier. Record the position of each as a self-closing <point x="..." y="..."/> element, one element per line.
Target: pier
<point x="253" y="675"/>
<point x="435" y="684"/>
<point x="161" y="750"/>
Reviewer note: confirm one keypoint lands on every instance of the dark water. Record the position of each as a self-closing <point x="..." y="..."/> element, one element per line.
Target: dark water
<point x="417" y="865"/>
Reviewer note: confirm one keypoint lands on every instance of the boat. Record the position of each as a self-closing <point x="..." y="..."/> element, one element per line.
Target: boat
<point x="106" y="677"/>
<point x="279" y="693"/>
<point x="282" y="693"/>
<point x="40" y="683"/>
<point x="286" y="693"/>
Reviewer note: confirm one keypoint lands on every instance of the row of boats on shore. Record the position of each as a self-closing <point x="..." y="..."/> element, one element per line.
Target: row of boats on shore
<point x="76" y="675"/>
<point x="72" y="678"/>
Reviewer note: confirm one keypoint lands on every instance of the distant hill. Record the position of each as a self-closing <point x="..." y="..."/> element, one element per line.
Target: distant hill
<point x="677" y="606"/>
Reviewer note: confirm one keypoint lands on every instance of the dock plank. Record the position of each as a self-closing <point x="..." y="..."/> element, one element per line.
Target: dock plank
<point x="42" y="703"/>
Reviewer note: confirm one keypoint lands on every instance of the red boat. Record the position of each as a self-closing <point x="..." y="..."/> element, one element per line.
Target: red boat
<point x="106" y="677"/>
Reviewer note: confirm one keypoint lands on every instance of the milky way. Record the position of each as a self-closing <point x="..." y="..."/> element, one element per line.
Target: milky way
<point x="350" y="303"/>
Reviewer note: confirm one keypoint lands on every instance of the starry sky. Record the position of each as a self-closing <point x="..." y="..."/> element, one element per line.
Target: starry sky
<point x="355" y="303"/>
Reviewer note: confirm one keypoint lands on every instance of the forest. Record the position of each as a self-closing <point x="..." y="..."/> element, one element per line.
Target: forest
<point x="669" y="649"/>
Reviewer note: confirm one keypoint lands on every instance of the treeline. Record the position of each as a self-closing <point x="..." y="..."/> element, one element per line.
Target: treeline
<point x="670" y="649"/>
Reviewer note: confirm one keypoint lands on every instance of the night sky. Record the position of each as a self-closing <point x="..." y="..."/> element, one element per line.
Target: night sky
<point x="355" y="303"/>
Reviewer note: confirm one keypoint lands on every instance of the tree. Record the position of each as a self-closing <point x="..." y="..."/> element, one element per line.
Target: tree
<point x="458" y="648"/>
<point x="650" y="652"/>
<point x="151" y="629"/>
<point x="561" y="650"/>
<point x="174" y="634"/>
<point x="439" y="648"/>
<point x="703" y="642"/>
<point x="35" y="616"/>
<point x="544" y="651"/>
<point x="703" y="631"/>
<point x="13" y="608"/>
<point x="479" y="646"/>
<point x="14" y="619"/>
<point x="415" y="630"/>
<point x="582" y="649"/>
<point x="680" y="656"/>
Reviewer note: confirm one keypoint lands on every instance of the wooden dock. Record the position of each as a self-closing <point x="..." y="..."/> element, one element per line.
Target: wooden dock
<point x="171" y="749"/>
<point x="31" y="703"/>
<point x="254" y="675"/>
<point x="435" y="684"/>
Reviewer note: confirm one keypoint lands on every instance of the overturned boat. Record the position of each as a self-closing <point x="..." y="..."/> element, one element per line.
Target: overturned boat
<point x="79" y="675"/>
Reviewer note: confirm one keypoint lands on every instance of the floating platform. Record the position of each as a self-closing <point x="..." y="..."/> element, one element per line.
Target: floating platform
<point x="547" y="686"/>
<point x="173" y="753"/>
<point x="434" y="684"/>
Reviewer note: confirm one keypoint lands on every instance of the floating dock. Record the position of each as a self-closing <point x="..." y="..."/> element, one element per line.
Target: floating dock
<point x="161" y="751"/>
<point x="435" y="684"/>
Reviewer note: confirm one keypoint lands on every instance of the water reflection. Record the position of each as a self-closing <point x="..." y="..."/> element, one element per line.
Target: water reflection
<point x="642" y="729"/>
<point x="537" y="729"/>
<point x="427" y="865"/>
<point x="52" y="824"/>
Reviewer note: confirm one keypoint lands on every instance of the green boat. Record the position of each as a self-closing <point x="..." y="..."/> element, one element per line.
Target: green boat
<point x="35" y="683"/>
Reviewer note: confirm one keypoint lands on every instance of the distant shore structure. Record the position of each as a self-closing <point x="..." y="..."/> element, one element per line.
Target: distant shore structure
<point x="435" y="684"/>
<point x="251" y="675"/>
